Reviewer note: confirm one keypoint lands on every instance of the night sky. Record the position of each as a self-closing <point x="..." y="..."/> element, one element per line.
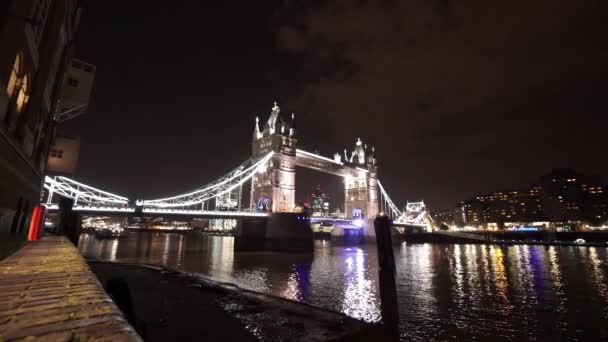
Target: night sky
<point x="459" y="97"/>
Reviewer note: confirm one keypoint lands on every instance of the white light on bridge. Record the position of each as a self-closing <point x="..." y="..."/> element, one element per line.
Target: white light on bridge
<point x="318" y="156"/>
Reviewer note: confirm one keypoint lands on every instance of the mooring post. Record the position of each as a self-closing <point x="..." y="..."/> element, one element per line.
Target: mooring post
<point x="388" y="288"/>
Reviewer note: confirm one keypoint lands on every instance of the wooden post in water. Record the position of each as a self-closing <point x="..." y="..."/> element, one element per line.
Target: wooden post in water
<point x="388" y="288"/>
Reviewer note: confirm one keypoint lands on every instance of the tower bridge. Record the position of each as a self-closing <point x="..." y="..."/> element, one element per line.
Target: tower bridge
<point x="271" y="170"/>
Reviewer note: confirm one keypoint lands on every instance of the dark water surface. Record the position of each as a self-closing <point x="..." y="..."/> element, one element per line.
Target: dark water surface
<point x="446" y="292"/>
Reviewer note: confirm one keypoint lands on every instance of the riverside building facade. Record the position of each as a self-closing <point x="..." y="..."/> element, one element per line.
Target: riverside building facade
<point x="36" y="46"/>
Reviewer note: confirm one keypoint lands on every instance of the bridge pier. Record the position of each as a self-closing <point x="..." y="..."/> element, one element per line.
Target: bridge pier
<point x="369" y="232"/>
<point x="281" y="232"/>
<point x="250" y="235"/>
<point x="365" y="234"/>
<point x="339" y="236"/>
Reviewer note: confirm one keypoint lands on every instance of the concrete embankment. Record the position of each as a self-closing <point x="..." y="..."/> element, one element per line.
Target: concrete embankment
<point x="176" y="306"/>
<point x="540" y="238"/>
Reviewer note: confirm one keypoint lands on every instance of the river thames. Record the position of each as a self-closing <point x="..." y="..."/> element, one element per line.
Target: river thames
<point x="446" y="291"/>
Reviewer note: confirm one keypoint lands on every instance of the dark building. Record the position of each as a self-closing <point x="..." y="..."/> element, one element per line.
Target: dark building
<point x="562" y="197"/>
<point x="450" y="217"/>
<point x="36" y="45"/>
<point x="570" y="196"/>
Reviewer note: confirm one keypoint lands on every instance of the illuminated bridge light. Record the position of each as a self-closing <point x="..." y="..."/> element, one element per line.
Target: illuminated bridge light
<point x="318" y="156"/>
<point x="220" y="187"/>
<point x="195" y="203"/>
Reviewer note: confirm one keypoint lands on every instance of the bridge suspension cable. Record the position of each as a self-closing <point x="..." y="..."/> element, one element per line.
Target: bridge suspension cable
<point x="387" y="204"/>
<point x="221" y="186"/>
<point x="81" y="192"/>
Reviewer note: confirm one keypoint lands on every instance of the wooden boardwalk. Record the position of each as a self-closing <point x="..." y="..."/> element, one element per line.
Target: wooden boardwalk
<point x="48" y="292"/>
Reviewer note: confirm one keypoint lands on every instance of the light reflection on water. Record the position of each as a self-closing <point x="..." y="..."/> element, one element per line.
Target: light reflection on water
<point x="446" y="292"/>
<point x="360" y="288"/>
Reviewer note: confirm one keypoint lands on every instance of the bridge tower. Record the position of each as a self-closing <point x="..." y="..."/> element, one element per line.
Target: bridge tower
<point x="361" y="183"/>
<point x="273" y="188"/>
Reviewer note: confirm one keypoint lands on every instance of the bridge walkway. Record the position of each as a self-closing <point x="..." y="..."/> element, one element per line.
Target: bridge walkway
<point x="47" y="291"/>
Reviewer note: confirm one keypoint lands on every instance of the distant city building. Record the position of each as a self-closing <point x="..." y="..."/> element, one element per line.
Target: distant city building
<point x="570" y="196"/>
<point x="450" y="217"/>
<point x="563" y="199"/>
<point x="319" y="203"/>
<point x="63" y="156"/>
<point x="36" y="45"/>
<point x="522" y="205"/>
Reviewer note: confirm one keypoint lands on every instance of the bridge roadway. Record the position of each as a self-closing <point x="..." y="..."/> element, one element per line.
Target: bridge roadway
<point x="126" y="211"/>
<point x="210" y="214"/>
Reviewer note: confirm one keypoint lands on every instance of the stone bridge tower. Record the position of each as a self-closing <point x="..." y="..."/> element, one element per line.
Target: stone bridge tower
<point x="273" y="188"/>
<point x="361" y="183"/>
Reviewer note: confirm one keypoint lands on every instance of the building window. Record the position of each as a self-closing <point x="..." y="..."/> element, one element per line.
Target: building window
<point x="56" y="153"/>
<point x="72" y="82"/>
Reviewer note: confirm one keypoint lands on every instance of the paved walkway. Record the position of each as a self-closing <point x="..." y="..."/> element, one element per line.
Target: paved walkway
<point x="47" y="291"/>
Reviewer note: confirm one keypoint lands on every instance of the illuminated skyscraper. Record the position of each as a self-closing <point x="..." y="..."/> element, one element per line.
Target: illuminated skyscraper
<point x="319" y="203"/>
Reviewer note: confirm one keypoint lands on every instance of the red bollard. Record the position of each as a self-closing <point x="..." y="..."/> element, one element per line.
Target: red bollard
<point x="36" y="223"/>
<point x="32" y="230"/>
<point x="41" y="221"/>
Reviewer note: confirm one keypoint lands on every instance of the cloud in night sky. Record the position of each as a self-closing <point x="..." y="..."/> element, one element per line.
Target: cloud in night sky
<point x="451" y="83"/>
<point x="459" y="97"/>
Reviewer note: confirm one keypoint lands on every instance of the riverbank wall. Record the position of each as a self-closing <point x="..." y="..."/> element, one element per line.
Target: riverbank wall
<point x="170" y="305"/>
<point x="540" y="238"/>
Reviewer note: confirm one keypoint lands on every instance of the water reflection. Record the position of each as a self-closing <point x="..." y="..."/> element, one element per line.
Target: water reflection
<point x="359" y="294"/>
<point x="598" y="274"/>
<point x="499" y="279"/>
<point x="446" y="292"/>
<point x="298" y="283"/>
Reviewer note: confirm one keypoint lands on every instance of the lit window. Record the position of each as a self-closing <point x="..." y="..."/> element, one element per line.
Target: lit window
<point x="22" y="97"/>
